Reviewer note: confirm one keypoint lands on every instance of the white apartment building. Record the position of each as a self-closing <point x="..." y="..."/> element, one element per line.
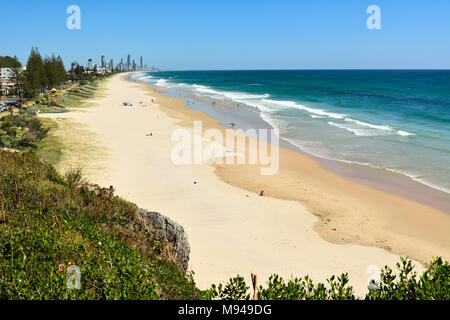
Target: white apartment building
<point x="6" y="81"/>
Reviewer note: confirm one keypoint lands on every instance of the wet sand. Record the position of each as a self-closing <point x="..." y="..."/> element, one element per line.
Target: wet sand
<point x="400" y="221"/>
<point x="381" y="179"/>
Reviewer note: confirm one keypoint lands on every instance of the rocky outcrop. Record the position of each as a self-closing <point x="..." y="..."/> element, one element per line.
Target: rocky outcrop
<point x="169" y="233"/>
<point x="163" y="229"/>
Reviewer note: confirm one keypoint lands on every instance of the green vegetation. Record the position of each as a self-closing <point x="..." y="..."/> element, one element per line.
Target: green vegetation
<point x="433" y="284"/>
<point x="42" y="73"/>
<point x="85" y="91"/>
<point x="39" y="74"/>
<point x="47" y="221"/>
<point x="8" y="62"/>
<point x="21" y="132"/>
<point x="50" y="148"/>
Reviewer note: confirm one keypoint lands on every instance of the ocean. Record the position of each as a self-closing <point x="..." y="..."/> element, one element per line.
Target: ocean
<point x="397" y="120"/>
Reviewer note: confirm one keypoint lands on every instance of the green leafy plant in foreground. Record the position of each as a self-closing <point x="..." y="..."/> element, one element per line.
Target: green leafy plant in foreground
<point x="433" y="284"/>
<point x="21" y="132"/>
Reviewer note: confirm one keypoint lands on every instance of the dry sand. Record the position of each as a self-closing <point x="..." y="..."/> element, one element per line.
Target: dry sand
<point x="230" y="228"/>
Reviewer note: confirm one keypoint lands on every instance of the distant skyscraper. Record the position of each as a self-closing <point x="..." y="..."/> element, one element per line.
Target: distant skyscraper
<point x="90" y="64"/>
<point x="74" y="65"/>
<point x="103" y="62"/>
<point x="129" y="61"/>
<point x="142" y="64"/>
<point x="111" y="64"/>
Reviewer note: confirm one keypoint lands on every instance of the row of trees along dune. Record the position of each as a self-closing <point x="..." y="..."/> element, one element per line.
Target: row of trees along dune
<point x="40" y="73"/>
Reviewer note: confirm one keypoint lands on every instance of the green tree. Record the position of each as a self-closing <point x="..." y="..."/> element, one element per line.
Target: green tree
<point x="17" y="76"/>
<point x="60" y="70"/>
<point x="7" y="62"/>
<point x="35" y="74"/>
<point x="50" y="71"/>
<point x="79" y="72"/>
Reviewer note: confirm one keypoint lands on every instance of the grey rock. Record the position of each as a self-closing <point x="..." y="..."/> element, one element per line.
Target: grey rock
<point x="167" y="231"/>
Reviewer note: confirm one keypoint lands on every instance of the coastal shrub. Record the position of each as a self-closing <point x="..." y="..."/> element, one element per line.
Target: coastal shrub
<point x="433" y="284"/>
<point x="234" y="289"/>
<point x="74" y="176"/>
<point x="21" y="131"/>
<point x="47" y="226"/>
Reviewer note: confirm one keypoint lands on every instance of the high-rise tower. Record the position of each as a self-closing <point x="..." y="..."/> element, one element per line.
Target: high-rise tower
<point x="103" y="62"/>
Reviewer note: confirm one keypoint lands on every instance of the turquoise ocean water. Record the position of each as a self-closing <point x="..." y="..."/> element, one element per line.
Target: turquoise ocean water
<point x="393" y="119"/>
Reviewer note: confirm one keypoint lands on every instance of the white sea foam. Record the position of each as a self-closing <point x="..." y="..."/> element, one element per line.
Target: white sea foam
<point x="405" y="133"/>
<point x="161" y="83"/>
<point x="268" y="106"/>
<point x="292" y="104"/>
<point x="356" y="131"/>
<point x="207" y="90"/>
<point x="374" y="130"/>
<point x="244" y="96"/>
<point x="141" y="76"/>
<point x="320" y="113"/>
<point x="229" y="94"/>
<point x="369" y="125"/>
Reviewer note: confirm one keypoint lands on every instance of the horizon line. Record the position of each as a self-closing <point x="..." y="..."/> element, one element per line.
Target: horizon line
<point x="312" y="69"/>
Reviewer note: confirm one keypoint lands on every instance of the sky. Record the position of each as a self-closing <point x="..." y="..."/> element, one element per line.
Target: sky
<point x="230" y="34"/>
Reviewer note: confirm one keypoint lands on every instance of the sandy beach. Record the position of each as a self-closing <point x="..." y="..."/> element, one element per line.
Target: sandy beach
<point x="310" y="221"/>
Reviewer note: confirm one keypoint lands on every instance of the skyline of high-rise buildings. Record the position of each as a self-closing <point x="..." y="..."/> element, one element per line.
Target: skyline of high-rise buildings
<point x="130" y="64"/>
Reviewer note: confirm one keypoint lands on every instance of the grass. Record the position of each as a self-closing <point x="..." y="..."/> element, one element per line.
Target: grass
<point x="46" y="221"/>
<point x="50" y="148"/>
<point x="41" y="108"/>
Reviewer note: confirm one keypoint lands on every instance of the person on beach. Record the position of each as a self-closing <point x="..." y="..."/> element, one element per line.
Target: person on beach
<point x="261" y="194"/>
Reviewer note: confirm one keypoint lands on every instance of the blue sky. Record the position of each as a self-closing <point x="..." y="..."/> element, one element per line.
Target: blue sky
<point x="245" y="34"/>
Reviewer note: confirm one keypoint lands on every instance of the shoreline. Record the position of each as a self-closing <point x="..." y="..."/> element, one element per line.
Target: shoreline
<point x="230" y="228"/>
<point x="382" y="179"/>
<point x="397" y="222"/>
